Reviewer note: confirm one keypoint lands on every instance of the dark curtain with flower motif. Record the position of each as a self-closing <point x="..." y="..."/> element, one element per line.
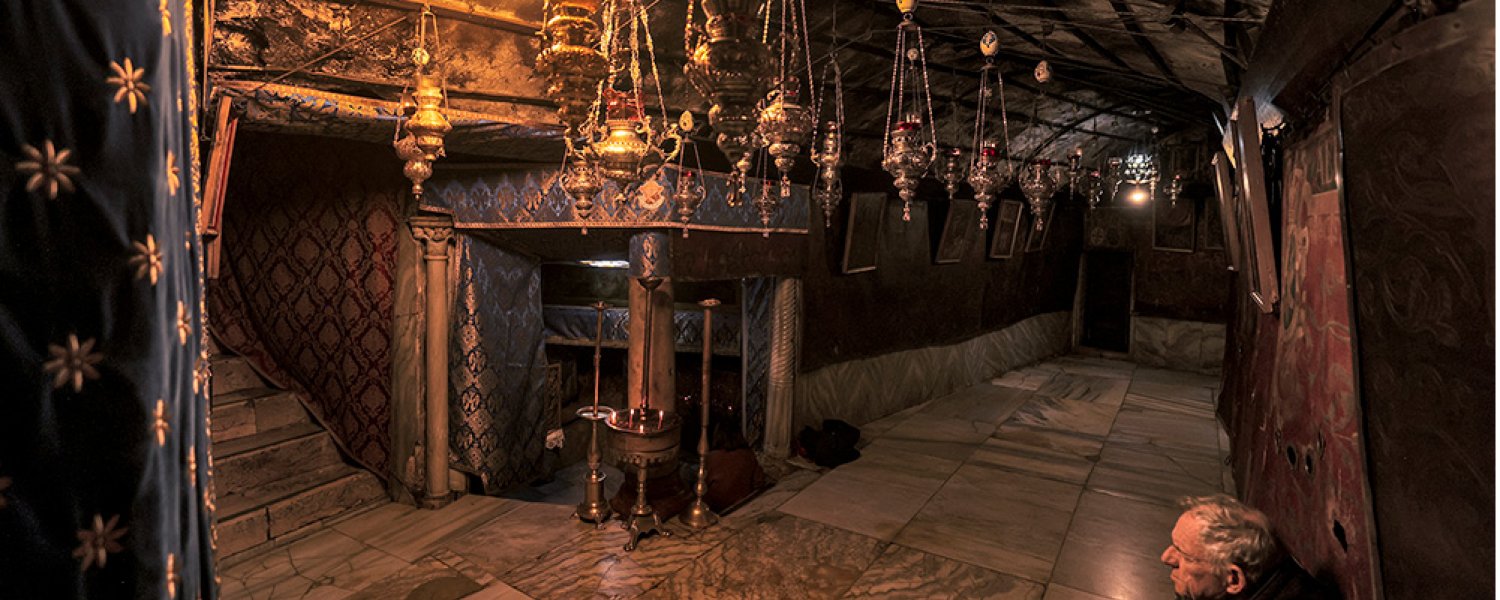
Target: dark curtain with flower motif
<point x="105" y="474"/>
<point x="306" y="289"/>
<point x="497" y="366"/>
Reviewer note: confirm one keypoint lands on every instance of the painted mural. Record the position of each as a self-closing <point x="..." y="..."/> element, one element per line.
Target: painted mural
<point x="1315" y="458"/>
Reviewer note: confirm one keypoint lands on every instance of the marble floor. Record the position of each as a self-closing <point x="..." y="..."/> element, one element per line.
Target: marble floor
<point x="1053" y="482"/>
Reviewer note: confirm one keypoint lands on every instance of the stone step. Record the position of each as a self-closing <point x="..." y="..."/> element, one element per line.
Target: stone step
<point x="253" y="410"/>
<point x="232" y="374"/>
<point x="267" y="456"/>
<point x="291" y="504"/>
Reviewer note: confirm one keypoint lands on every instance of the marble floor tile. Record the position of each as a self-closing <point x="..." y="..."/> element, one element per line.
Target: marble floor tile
<point x="902" y="572"/>
<point x="983" y="402"/>
<point x="498" y="591"/>
<point x="327" y="564"/>
<point x="596" y="565"/>
<point x="996" y="519"/>
<point x="566" y="486"/>
<point x="1027" y="378"/>
<point x="876" y="495"/>
<point x="1152" y="477"/>
<point x="1166" y="432"/>
<point x="1176" y="405"/>
<point x="876" y="428"/>
<point x="1058" y="457"/>
<point x="785" y="489"/>
<point x="1171" y="377"/>
<point x="1062" y="592"/>
<point x="1088" y="418"/>
<point x="428" y="579"/>
<point x="1114" y="548"/>
<point x="518" y="536"/>
<point x="943" y="437"/>
<point x="1098" y="367"/>
<point x="409" y="533"/>
<point x="781" y="556"/>
<point x="1085" y="388"/>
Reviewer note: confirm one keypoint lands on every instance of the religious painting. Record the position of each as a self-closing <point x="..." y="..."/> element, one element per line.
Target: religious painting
<point x="959" y="231"/>
<point x="1173" y="225"/>
<point x="1259" y="257"/>
<point x="1315" y="404"/>
<point x="862" y="236"/>
<point x="1037" y="238"/>
<point x="1224" y="186"/>
<point x="1007" y="229"/>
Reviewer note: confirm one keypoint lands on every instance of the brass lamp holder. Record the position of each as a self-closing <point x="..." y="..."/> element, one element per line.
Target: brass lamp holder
<point x="594" y="508"/>
<point x="698" y="515"/>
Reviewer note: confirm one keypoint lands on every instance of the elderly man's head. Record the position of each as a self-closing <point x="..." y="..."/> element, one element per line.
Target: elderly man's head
<point x="1220" y="548"/>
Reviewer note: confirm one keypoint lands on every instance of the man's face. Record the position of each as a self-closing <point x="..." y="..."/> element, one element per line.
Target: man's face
<point x="1193" y="573"/>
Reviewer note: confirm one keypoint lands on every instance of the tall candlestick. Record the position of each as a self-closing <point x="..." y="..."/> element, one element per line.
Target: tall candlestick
<point x="699" y="515"/>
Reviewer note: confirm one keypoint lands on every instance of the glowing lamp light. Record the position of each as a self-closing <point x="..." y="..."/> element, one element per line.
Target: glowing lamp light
<point x="1138" y="196"/>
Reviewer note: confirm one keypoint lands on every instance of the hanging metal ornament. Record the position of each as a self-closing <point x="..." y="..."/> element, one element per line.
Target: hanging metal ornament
<point x="727" y="64"/>
<point x="571" y="61"/>
<point x="1043" y="71"/>
<point x="1093" y="190"/>
<point x="689" y="193"/>
<point x="828" y="154"/>
<point x="950" y="170"/>
<point x="1075" y="170"/>
<point x="986" y="174"/>
<point x="907" y="153"/>
<point x="1038" y="186"/>
<point x="1174" y="188"/>
<point x="627" y="146"/>
<point x="785" y="123"/>
<point x="766" y="203"/>
<point x="422" y="106"/>
<point x="582" y="183"/>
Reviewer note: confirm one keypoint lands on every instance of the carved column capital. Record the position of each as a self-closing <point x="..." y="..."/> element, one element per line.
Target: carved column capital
<point x="433" y="232"/>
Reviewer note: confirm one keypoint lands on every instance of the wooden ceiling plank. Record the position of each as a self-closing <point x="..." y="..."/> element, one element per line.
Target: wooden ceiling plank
<point x="1127" y="16"/>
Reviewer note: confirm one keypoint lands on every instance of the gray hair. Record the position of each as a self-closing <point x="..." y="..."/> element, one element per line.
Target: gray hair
<point x="1234" y="534"/>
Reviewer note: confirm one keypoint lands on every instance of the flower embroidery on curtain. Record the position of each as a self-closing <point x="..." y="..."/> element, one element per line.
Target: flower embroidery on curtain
<point x="47" y="166"/>
<point x="128" y="78"/>
<point x="94" y="545"/>
<point x="161" y="425"/>
<point x="184" y="324"/>
<point x="174" y="174"/>
<point x="72" y="363"/>
<point x="147" y="261"/>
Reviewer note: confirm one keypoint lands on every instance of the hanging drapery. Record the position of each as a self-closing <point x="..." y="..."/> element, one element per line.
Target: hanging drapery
<point x="306" y="290"/>
<point x="105" y="473"/>
<point x="497" y="366"/>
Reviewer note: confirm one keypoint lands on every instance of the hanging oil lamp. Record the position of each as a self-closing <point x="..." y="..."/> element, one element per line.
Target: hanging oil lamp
<point x="951" y="170"/>
<point x="421" y="111"/>
<point x="1038" y="186"/>
<point x="765" y="205"/>
<point x="907" y="153"/>
<point x="627" y="147"/>
<point x="784" y="125"/>
<point x="570" y="61"/>
<point x="987" y="180"/>
<point x="726" y="63"/>
<point x="1075" y="169"/>
<point x="1174" y="188"/>
<point x="688" y="196"/>
<point x="582" y="184"/>
<point x="829" y="189"/>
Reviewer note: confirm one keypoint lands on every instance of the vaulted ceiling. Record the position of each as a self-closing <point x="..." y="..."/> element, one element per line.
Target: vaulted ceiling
<point x="1121" y="68"/>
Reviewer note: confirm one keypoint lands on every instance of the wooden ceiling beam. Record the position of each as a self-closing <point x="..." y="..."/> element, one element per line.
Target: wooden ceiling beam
<point x="1127" y="16"/>
<point x="1088" y="40"/>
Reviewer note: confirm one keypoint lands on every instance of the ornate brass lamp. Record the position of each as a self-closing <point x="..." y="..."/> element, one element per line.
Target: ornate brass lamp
<point x="570" y="60"/>
<point x="987" y="179"/>
<point x="688" y="196"/>
<point x="1038" y="186"/>
<point x="907" y="152"/>
<point x="829" y="190"/>
<point x="951" y="170"/>
<point x="422" y="111"/>
<point x="985" y="174"/>
<point x="784" y="125"/>
<point x="627" y="147"/>
<point x="582" y="184"/>
<point x="726" y="64"/>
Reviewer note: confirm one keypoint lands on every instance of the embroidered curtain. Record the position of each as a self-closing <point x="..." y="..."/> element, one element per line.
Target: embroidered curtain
<point x="497" y="366"/>
<point x="105" y="473"/>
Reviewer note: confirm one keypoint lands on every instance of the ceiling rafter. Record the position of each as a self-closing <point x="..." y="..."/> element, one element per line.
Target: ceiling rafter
<point x="1088" y="40"/>
<point x="1122" y="8"/>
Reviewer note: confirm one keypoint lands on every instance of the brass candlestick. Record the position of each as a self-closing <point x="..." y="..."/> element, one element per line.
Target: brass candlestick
<point x="594" y="508"/>
<point x="641" y="512"/>
<point x="699" y="515"/>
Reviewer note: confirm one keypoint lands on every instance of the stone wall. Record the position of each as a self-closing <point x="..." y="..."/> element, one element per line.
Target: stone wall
<point x="862" y="390"/>
<point x="1177" y="344"/>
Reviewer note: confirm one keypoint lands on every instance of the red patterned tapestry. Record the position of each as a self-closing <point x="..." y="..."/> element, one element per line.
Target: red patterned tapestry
<point x="306" y="289"/>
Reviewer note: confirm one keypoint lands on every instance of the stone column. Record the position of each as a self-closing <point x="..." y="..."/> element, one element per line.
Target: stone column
<point x="650" y="256"/>
<point x="435" y="234"/>
<point x="786" y="344"/>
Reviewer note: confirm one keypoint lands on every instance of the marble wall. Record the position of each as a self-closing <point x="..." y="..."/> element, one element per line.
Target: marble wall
<point x="862" y="390"/>
<point x="1176" y="344"/>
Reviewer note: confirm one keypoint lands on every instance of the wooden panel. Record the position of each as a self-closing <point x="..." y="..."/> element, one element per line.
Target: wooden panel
<point x="1418" y="126"/>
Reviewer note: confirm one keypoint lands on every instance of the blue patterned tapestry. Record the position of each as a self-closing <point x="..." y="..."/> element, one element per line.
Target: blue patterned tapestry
<point x="106" y="481"/>
<point x="756" y="356"/>
<point x="533" y="199"/>
<point x="576" y="324"/>
<point x="497" y="366"/>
